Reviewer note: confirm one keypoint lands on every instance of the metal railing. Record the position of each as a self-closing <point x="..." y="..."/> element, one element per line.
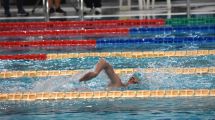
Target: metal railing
<point x="81" y="17"/>
<point x="188" y="8"/>
<point x="46" y="9"/>
<point x="81" y="9"/>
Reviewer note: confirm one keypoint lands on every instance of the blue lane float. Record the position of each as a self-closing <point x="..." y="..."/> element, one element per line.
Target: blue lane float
<point x="103" y="41"/>
<point x="177" y="30"/>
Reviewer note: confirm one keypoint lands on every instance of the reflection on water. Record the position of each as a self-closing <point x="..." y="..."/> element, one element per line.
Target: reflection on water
<point x="148" y="108"/>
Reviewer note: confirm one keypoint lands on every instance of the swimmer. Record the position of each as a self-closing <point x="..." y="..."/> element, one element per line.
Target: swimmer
<point x="115" y="80"/>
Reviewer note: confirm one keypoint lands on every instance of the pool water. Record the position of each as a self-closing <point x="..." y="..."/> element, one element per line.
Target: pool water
<point x="151" y="81"/>
<point x="195" y="108"/>
<point x="121" y="109"/>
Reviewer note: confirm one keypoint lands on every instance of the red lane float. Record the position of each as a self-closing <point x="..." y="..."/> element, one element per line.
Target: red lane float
<point x="86" y="32"/>
<point x="80" y="24"/>
<point x="24" y="57"/>
<point x="48" y="43"/>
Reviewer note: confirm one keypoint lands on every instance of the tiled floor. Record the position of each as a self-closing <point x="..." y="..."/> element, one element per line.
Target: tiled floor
<point x="111" y="10"/>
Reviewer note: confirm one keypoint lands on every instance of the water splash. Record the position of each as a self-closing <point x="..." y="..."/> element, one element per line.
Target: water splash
<point x="60" y="83"/>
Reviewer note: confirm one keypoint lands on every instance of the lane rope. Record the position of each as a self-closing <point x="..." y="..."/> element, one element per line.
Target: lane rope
<point x="47" y="73"/>
<point x="47" y="43"/>
<point x="85" y="32"/>
<point x="24" y="57"/>
<point x="190" y="21"/>
<point x="165" y="40"/>
<point x="102" y="42"/>
<point x="147" y="54"/>
<point x="31" y="96"/>
<point x="113" y="31"/>
<point x="8" y="26"/>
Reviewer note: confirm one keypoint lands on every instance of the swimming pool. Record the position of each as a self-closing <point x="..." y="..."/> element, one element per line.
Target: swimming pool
<point x="155" y="51"/>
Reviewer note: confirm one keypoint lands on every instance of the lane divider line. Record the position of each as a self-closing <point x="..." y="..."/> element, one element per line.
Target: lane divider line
<point x="8" y="26"/>
<point x="33" y="96"/>
<point x="84" y="32"/>
<point x="24" y="57"/>
<point x="80" y="24"/>
<point x="102" y="42"/>
<point x="190" y="21"/>
<point x="47" y="43"/>
<point x="112" y="31"/>
<point x="165" y="40"/>
<point x="48" y="73"/>
<point x="147" y="54"/>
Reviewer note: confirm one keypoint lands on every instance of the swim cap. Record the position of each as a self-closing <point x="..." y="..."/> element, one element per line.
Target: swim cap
<point x="137" y="75"/>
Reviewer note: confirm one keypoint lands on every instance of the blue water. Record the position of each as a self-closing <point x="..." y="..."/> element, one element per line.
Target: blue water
<point x="194" y="108"/>
<point x="120" y="109"/>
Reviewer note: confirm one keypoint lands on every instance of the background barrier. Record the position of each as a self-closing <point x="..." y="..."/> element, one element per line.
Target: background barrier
<point x="106" y="94"/>
<point x="47" y="73"/>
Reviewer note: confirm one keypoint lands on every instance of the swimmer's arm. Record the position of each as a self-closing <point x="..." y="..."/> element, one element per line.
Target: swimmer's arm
<point x="102" y="64"/>
<point x="88" y="76"/>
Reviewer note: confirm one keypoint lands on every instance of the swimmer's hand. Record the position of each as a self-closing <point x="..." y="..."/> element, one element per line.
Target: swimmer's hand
<point x="81" y="80"/>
